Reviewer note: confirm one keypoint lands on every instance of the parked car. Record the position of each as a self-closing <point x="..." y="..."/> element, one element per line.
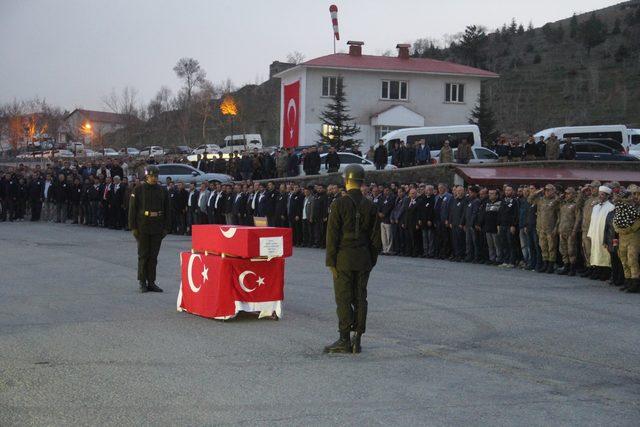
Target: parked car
<point x="129" y="151"/>
<point x="593" y="150"/>
<point x="480" y="155"/>
<point x="241" y="142"/>
<point x="109" y="152"/>
<point x="346" y="159"/>
<point x="91" y="153"/>
<point x="186" y="173"/>
<point x="154" y="150"/>
<point x="634" y="149"/>
<point x="61" y="153"/>
<point x="209" y="148"/>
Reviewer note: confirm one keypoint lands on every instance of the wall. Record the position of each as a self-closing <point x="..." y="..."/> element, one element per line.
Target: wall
<point x="363" y="90"/>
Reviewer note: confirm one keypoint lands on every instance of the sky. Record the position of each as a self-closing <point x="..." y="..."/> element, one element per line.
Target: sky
<point x="73" y="53"/>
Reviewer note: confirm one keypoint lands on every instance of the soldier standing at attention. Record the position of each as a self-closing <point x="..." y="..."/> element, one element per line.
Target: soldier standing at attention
<point x="546" y="224"/>
<point x="150" y="222"/>
<point x="568" y="226"/>
<point x="353" y="244"/>
<point x="626" y="221"/>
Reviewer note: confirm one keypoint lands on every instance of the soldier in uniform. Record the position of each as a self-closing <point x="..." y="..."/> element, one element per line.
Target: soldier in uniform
<point x="588" y="199"/>
<point x="627" y="224"/>
<point x="353" y="244"/>
<point x="149" y="221"/>
<point x="547" y="208"/>
<point x="568" y="226"/>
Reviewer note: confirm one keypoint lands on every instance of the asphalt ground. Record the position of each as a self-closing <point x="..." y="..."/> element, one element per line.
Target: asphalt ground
<point x="447" y="344"/>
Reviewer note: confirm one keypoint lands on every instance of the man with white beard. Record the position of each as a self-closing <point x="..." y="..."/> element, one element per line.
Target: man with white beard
<point x="600" y="258"/>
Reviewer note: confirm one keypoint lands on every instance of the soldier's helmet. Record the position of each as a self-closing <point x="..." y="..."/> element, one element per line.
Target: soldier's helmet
<point x="353" y="172"/>
<point x="152" y="170"/>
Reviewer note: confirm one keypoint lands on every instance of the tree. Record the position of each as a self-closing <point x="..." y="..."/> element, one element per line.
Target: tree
<point x="295" y="57"/>
<point x="520" y="29"/>
<point x="553" y="34"/>
<point x="593" y="32"/>
<point x="470" y="45"/>
<point x="513" y="27"/>
<point x="124" y="103"/>
<point x="482" y="116"/>
<point x="616" y="27"/>
<point x="339" y="126"/>
<point x="573" y="26"/>
<point x="188" y="69"/>
<point x="161" y="103"/>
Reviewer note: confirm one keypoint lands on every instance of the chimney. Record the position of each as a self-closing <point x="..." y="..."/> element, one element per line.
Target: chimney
<point x="403" y="50"/>
<point x="355" y="48"/>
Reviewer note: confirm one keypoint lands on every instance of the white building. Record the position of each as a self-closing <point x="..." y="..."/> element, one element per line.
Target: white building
<point x="90" y="126"/>
<point x="383" y="93"/>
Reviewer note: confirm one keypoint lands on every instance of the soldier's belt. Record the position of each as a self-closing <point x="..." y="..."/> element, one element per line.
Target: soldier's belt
<point x="152" y="213"/>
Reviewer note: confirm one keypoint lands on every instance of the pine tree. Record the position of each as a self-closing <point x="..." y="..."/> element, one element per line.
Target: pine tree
<point x="482" y="116"/>
<point x="573" y="26"/>
<point x="341" y="126"/>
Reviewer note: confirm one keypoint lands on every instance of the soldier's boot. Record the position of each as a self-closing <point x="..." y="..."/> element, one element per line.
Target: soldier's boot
<point x="564" y="270"/>
<point x="143" y="286"/>
<point x="595" y="273"/>
<point x="343" y="345"/>
<point x="543" y="268"/>
<point x="152" y="287"/>
<point x="626" y="285"/>
<point x="572" y="270"/>
<point x="605" y="273"/>
<point x="587" y="272"/>
<point x="355" y="343"/>
<point x="635" y="286"/>
<point x="550" y="268"/>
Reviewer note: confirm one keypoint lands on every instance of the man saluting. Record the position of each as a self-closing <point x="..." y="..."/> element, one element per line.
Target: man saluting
<point x="353" y="244"/>
<point x="150" y="222"/>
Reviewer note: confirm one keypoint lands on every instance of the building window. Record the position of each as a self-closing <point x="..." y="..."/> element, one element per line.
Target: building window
<point x="330" y="86"/>
<point x="327" y="131"/>
<point x="381" y="131"/>
<point x="395" y="90"/>
<point x="454" y="92"/>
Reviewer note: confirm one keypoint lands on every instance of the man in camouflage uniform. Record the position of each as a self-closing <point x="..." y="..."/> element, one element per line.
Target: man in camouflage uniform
<point x="568" y="226"/>
<point x="553" y="148"/>
<point x="588" y="199"/>
<point x="547" y="205"/>
<point x="627" y="224"/>
<point x="150" y="222"/>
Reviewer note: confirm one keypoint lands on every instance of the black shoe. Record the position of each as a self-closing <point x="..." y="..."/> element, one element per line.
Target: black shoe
<point x="343" y="345"/>
<point x="543" y="268"/>
<point x="587" y="272"/>
<point x="143" y="286"/>
<point x="550" y="268"/>
<point x="595" y="273"/>
<point x="152" y="287"/>
<point x="572" y="270"/>
<point x="355" y="343"/>
<point x="634" y="288"/>
<point x="563" y="271"/>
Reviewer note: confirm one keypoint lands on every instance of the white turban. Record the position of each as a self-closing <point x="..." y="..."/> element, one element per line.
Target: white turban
<point x="604" y="189"/>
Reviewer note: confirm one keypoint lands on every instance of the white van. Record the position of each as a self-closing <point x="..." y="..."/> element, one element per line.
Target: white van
<point x="435" y="136"/>
<point x="634" y="139"/>
<point x="618" y="133"/>
<point x="238" y="143"/>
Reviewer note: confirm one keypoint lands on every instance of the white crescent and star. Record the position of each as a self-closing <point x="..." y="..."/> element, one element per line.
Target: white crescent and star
<point x="229" y="233"/>
<point x="246" y="273"/>
<point x="205" y="273"/>
<point x="291" y="106"/>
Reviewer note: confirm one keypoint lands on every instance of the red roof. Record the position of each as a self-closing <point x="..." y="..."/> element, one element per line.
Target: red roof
<point x="390" y="63"/>
<point x="515" y="175"/>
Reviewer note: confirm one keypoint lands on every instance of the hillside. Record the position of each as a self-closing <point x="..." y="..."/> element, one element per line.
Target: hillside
<point x="581" y="70"/>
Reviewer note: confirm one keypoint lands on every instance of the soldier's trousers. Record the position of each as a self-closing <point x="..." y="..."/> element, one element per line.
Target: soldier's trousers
<point x="628" y="251"/>
<point x="586" y="248"/>
<point x="548" y="245"/>
<point x="148" y="249"/>
<point x="350" y="288"/>
<point x="568" y="248"/>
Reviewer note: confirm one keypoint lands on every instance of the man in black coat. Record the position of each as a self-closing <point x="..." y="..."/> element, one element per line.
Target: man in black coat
<point x="456" y="223"/>
<point x="508" y="227"/>
<point x="426" y="215"/>
<point x="312" y="162"/>
<point x="320" y="215"/>
<point x="179" y="205"/>
<point x="293" y="163"/>
<point x="380" y="155"/>
<point x="61" y="197"/>
<point x="282" y="197"/>
<point x="238" y="205"/>
<point x="332" y="161"/>
<point x="295" y="201"/>
<point x="36" y="196"/>
<point x="410" y="226"/>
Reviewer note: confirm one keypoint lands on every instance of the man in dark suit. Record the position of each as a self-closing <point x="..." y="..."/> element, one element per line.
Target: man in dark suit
<point x="380" y="155"/>
<point x="238" y="205"/>
<point x="295" y="201"/>
<point x="409" y="224"/>
<point x="320" y="216"/>
<point x="293" y="163"/>
<point x="36" y="197"/>
<point x="281" y="217"/>
<point x="192" y="206"/>
<point x="311" y="163"/>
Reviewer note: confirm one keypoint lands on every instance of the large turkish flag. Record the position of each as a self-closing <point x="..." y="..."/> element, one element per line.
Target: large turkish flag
<point x="291" y="115"/>
<point x="217" y="287"/>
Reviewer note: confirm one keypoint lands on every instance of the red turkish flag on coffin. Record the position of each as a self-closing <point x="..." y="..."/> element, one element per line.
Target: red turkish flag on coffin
<point x="217" y="287"/>
<point x="242" y="241"/>
<point x="291" y="115"/>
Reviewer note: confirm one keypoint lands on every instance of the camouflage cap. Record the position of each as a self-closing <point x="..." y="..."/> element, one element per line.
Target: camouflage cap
<point x="549" y="187"/>
<point x="633" y="189"/>
<point x="595" y="184"/>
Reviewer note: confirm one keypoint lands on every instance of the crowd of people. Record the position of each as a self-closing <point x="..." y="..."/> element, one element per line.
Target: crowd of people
<point x="593" y="230"/>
